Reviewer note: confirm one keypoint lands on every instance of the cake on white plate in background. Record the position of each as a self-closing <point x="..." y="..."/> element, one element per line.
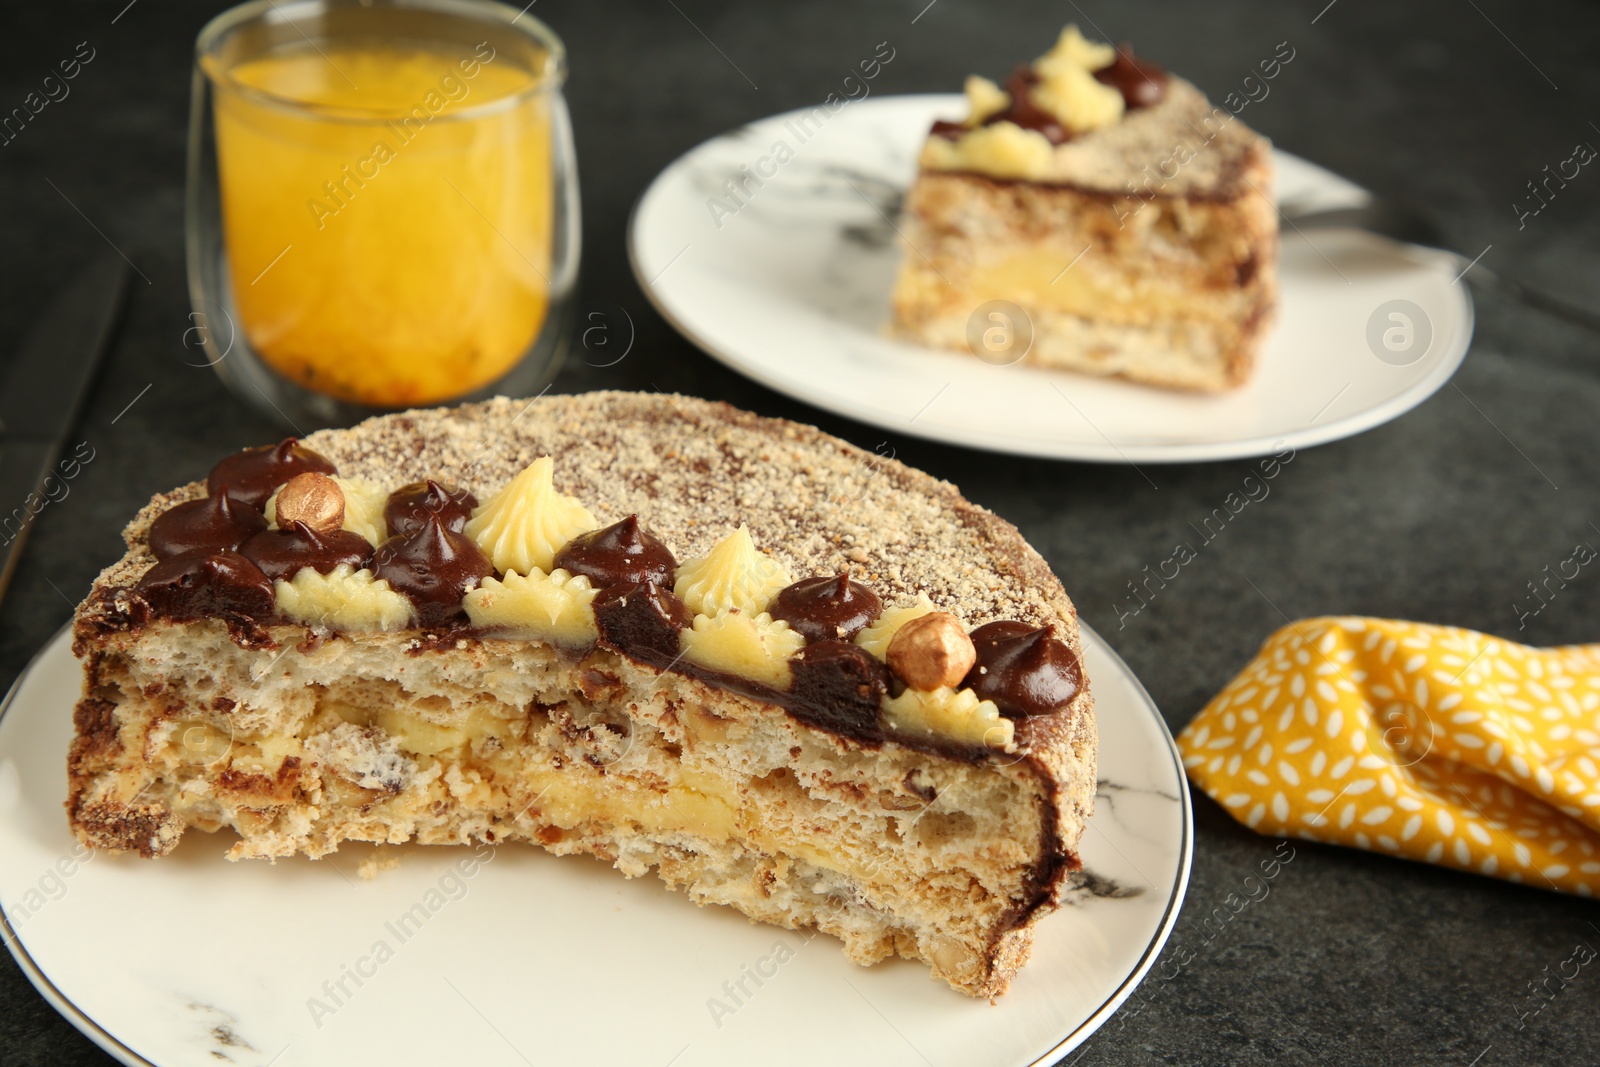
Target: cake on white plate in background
<point x="787" y="676"/>
<point x="1129" y="219"/>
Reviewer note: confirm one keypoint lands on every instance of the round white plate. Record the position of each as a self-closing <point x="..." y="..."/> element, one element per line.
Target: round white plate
<point x="532" y="958"/>
<point x="789" y="283"/>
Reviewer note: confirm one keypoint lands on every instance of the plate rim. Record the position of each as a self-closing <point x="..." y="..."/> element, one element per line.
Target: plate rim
<point x="1081" y="452"/>
<point x="41" y="982"/>
<point x="110" y="1044"/>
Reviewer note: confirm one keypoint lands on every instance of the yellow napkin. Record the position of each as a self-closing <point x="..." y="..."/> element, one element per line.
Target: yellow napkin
<point x="1429" y="742"/>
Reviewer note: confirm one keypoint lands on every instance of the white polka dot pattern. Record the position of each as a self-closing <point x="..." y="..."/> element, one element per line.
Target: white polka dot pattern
<point x="1429" y="742"/>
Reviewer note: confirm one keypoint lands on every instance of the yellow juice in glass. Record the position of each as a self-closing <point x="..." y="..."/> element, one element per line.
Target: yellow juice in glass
<point x="386" y="210"/>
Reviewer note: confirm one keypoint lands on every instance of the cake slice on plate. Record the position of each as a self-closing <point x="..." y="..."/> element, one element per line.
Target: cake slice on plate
<point x="788" y="677"/>
<point x="1130" y="221"/>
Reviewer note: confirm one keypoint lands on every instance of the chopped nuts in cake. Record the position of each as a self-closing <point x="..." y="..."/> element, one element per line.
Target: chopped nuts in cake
<point x="1096" y="157"/>
<point x="680" y="459"/>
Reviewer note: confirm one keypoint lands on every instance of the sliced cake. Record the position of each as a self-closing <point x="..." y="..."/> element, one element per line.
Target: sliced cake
<point x="1130" y="221"/>
<point x="783" y="674"/>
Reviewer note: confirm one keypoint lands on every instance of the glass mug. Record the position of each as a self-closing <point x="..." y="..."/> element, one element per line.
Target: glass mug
<point x="382" y="205"/>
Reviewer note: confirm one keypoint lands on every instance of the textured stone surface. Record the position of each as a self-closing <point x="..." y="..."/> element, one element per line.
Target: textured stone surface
<point x="1443" y="516"/>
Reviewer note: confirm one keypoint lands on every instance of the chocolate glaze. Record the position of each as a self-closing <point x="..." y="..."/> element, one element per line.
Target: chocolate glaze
<point x="838" y="686"/>
<point x="622" y="553"/>
<point x="1044" y="879"/>
<point x="1141" y="82"/>
<point x="211" y="524"/>
<point x="827" y="608"/>
<point x="1024" y="670"/>
<point x="202" y="585"/>
<point x="282" y="553"/>
<point x="642" y="620"/>
<point x="255" y="474"/>
<point x="435" y="568"/>
<point x="409" y="506"/>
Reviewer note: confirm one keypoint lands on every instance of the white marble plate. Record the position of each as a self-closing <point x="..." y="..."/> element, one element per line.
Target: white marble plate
<point x="192" y="960"/>
<point x="789" y="284"/>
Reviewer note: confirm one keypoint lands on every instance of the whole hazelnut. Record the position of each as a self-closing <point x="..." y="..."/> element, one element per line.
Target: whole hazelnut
<point x="313" y="499"/>
<point x="932" y="651"/>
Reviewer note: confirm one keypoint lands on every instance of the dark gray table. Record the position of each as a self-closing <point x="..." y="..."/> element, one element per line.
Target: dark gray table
<point x="1443" y="516"/>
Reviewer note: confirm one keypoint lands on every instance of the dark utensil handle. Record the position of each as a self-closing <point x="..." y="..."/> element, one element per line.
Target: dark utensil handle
<point x="23" y="466"/>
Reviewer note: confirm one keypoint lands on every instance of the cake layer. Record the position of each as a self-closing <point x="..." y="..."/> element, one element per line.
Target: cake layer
<point x="1174" y="353"/>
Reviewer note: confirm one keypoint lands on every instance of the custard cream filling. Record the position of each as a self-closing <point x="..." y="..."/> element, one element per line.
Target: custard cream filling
<point x="554" y="607"/>
<point x="342" y="599"/>
<point x="984" y="98"/>
<point x="574" y="797"/>
<point x="1002" y="149"/>
<point x="694" y="804"/>
<point x="363" y="508"/>
<point x="1067" y="87"/>
<point x="1033" y="277"/>
<point x="527" y="522"/>
<point x="733" y="575"/>
<point x="875" y="638"/>
<point x="750" y="646"/>
<point x="956" y="715"/>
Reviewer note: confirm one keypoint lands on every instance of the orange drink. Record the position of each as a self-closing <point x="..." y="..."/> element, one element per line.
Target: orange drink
<point x="386" y="209"/>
